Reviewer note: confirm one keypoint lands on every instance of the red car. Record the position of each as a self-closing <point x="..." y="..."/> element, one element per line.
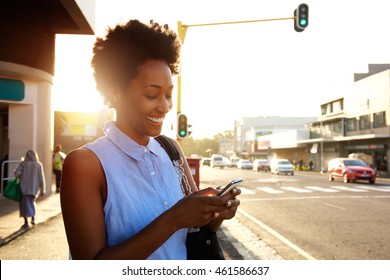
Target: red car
<point x="350" y="170"/>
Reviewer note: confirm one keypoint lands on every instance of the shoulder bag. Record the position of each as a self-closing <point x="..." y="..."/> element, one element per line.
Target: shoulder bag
<point x="202" y="243"/>
<point x="12" y="190"/>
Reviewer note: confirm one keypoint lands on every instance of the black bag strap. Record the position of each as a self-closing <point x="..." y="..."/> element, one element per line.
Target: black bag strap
<point x="168" y="146"/>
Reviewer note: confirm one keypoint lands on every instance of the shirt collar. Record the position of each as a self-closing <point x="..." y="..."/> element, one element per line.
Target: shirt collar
<point x="128" y="145"/>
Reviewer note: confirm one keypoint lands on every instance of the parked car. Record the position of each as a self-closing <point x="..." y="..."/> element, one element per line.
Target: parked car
<point x="217" y="161"/>
<point x="233" y="161"/>
<point x="206" y="161"/>
<point x="280" y="166"/>
<point x="350" y="170"/>
<point x="244" y="164"/>
<point x="261" y="165"/>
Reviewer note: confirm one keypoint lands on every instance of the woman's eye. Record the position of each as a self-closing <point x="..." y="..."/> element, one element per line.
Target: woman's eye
<point x="151" y="96"/>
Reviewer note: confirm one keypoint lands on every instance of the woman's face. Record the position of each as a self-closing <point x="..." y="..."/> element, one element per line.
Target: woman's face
<point x="141" y="109"/>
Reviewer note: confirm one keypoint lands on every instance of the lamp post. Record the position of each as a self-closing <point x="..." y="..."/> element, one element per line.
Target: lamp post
<point x="322" y="147"/>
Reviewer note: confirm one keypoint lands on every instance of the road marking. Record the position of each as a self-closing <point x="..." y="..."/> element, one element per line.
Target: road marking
<point x="269" y="190"/>
<point x="294" y="189"/>
<point x="379" y="189"/>
<point x="348" y="189"/>
<point x="321" y="189"/>
<point x="334" y="206"/>
<point x="246" y="191"/>
<point x="277" y="235"/>
<point x="314" y="197"/>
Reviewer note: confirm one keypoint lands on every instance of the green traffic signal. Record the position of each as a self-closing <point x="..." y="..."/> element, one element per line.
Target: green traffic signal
<point x="182" y="126"/>
<point x="301" y="17"/>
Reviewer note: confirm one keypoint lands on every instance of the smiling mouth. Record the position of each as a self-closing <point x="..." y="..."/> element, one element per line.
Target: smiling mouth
<point x="155" y="120"/>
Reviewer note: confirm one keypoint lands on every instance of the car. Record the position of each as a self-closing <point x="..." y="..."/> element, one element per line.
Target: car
<point x="233" y="161"/>
<point x="206" y="161"/>
<point x="350" y="170"/>
<point x="281" y="166"/>
<point x="244" y="164"/>
<point x="217" y="161"/>
<point x="261" y="165"/>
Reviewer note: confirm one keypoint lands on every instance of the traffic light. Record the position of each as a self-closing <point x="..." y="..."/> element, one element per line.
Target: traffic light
<point x="182" y="127"/>
<point x="301" y="17"/>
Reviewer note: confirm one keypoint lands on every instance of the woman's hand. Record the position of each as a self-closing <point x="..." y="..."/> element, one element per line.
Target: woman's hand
<point x="200" y="208"/>
<point x="231" y="204"/>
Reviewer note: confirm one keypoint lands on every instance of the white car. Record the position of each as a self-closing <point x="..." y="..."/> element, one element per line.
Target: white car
<point x="282" y="166"/>
<point x="244" y="164"/>
<point x="217" y="161"/>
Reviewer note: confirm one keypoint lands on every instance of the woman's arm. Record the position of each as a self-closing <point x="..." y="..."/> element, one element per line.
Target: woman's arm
<point x="231" y="203"/>
<point x="83" y="193"/>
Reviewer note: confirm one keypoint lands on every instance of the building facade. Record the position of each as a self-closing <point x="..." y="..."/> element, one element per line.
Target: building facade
<point x="355" y="121"/>
<point x="27" y="56"/>
<point x="269" y="137"/>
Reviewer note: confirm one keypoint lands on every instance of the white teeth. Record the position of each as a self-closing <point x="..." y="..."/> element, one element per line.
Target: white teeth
<point x="156" y="120"/>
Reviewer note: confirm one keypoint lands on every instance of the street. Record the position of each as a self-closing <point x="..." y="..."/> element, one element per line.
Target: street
<point x="289" y="217"/>
<point x="307" y="217"/>
<point x="46" y="241"/>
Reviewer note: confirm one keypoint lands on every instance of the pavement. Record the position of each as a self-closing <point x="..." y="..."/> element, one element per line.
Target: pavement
<point x="11" y="223"/>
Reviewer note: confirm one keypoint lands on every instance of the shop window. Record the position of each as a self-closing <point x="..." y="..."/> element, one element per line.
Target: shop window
<point x="352" y="124"/>
<point x="364" y="122"/>
<point x="380" y="119"/>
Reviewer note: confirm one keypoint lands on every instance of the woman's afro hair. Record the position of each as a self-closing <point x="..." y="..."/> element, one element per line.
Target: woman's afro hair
<point x="117" y="57"/>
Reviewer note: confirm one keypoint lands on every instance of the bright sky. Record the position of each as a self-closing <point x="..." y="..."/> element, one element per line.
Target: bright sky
<point x="241" y="70"/>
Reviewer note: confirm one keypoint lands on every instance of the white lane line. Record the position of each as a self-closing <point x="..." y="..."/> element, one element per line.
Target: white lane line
<point x="269" y="190"/>
<point x="314" y="197"/>
<point x="321" y="189"/>
<point x="297" y="190"/>
<point x="379" y="189"/>
<point x="348" y="189"/>
<point x="277" y="235"/>
<point x="334" y="206"/>
<point x="246" y="191"/>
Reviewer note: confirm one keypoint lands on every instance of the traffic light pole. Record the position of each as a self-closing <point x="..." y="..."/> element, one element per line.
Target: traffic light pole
<point x="182" y="30"/>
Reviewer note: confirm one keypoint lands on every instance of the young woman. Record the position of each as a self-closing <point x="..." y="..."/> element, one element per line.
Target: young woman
<point x="121" y="197"/>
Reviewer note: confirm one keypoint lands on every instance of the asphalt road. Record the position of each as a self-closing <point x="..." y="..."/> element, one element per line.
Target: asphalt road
<point x="307" y="217"/>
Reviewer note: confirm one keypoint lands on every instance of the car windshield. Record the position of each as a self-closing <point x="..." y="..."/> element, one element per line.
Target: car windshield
<point x="284" y="162"/>
<point x="354" y="163"/>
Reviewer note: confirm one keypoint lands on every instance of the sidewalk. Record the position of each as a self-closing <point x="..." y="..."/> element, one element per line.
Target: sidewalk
<point x="10" y="222"/>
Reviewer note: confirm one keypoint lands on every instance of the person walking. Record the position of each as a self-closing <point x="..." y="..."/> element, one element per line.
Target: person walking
<point x="32" y="181"/>
<point x="58" y="160"/>
<point x="120" y="195"/>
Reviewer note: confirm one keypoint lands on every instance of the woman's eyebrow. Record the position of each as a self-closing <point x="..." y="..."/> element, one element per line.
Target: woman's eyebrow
<point x="156" y="86"/>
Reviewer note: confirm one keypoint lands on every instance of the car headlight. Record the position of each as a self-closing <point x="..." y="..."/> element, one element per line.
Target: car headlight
<point x="351" y="171"/>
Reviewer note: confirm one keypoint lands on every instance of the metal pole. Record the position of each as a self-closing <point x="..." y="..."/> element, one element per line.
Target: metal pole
<point x="322" y="148"/>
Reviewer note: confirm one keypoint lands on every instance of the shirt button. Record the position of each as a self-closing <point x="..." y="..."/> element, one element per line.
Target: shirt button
<point x="152" y="173"/>
<point x="165" y="203"/>
<point x="146" y="150"/>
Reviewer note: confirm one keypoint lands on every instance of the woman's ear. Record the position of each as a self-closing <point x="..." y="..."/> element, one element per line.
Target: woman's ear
<point x="115" y="96"/>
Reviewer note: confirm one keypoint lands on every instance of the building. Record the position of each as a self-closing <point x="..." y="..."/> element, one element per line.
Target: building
<point x="75" y="129"/>
<point x="27" y="55"/>
<point x="354" y="119"/>
<point x="267" y="137"/>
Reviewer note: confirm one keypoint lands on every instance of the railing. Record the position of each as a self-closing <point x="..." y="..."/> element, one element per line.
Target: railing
<point x="2" y="172"/>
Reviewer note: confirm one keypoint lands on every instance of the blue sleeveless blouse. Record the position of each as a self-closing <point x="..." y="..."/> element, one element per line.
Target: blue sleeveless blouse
<point x="141" y="185"/>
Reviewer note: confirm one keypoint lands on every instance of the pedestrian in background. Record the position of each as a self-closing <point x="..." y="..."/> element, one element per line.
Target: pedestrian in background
<point x="58" y="160"/>
<point x="32" y="180"/>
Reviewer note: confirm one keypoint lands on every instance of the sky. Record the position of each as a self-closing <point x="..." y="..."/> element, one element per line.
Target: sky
<point x="239" y="70"/>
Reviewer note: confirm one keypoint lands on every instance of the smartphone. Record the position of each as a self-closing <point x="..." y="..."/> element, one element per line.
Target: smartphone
<point x="230" y="186"/>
